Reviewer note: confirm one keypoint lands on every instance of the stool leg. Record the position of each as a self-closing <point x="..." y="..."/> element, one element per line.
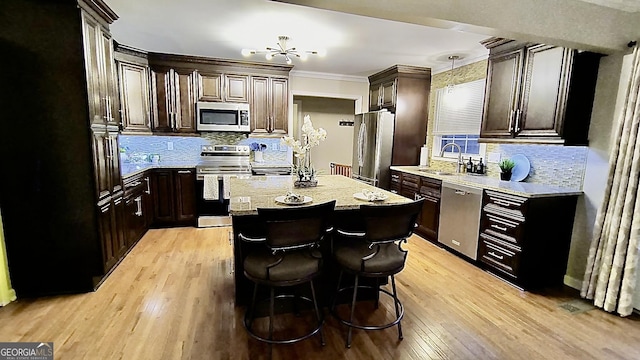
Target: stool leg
<point x="353" y="308"/>
<point x="315" y="304"/>
<point x="395" y="302"/>
<point x="253" y="304"/>
<point x="377" y="300"/>
<point x="271" y="311"/>
<point x="335" y="297"/>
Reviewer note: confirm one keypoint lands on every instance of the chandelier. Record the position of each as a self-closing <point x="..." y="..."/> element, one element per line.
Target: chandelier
<point x="282" y="50"/>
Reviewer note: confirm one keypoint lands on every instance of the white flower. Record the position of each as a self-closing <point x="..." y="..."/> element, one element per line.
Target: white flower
<point x="310" y="137"/>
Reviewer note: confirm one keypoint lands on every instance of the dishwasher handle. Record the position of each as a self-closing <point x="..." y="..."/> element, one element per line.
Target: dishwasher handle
<point x="460" y="192"/>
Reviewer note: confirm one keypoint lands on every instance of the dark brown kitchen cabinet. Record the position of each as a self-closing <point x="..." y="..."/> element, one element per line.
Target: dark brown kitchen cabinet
<point x="65" y="61"/>
<point x="403" y="90"/>
<point x="218" y="87"/>
<point x="526" y="240"/>
<point x="106" y="161"/>
<point x="538" y="93"/>
<point x="269" y="105"/>
<point x="174" y="197"/>
<point x="133" y="85"/>
<point x="173" y="99"/>
<point x="100" y="71"/>
<point x="417" y="187"/>
<point x="430" y="215"/>
<point x="136" y="208"/>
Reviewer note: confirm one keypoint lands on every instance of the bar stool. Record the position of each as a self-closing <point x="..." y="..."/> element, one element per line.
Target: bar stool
<point x="375" y="253"/>
<point x="290" y="257"/>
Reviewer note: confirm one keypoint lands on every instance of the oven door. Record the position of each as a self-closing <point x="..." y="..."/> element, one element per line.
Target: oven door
<point x="212" y="212"/>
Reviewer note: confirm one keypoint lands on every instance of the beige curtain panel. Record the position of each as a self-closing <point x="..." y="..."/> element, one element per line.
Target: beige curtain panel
<point x="612" y="265"/>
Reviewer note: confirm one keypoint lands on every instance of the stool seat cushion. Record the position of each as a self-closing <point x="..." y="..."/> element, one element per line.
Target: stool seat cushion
<point x="390" y="259"/>
<point x="297" y="265"/>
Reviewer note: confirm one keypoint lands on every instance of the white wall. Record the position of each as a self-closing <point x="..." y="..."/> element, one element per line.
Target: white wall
<point x="613" y="74"/>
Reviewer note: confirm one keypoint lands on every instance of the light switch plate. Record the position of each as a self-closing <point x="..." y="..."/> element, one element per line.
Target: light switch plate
<point x="493" y="157"/>
<point x="169" y="145"/>
<point x="274" y="146"/>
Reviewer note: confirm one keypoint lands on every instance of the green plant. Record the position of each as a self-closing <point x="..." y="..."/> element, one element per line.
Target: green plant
<point x="506" y="165"/>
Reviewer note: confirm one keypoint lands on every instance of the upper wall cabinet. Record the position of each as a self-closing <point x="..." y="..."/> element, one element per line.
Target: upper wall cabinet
<point x="269" y="106"/>
<point x="538" y="93"/>
<point x="173" y="99"/>
<point x="403" y="90"/>
<point x="178" y="82"/>
<point x="133" y="84"/>
<point x="222" y="87"/>
<point x="100" y="72"/>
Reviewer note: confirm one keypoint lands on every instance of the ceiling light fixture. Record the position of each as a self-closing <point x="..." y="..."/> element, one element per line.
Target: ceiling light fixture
<point x="283" y="50"/>
<point x="450" y="85"/>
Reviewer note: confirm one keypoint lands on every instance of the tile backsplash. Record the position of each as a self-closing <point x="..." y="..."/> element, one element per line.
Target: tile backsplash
<point x="138" y="148"/>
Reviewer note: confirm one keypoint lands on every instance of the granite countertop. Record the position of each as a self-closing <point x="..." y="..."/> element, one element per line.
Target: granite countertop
<point x="525" y="189"/>
<point x="248" y="194"/>
<point x="130" y="169"/>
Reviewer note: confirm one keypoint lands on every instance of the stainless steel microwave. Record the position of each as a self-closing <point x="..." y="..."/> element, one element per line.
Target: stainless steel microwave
<point x="218" y="116"/>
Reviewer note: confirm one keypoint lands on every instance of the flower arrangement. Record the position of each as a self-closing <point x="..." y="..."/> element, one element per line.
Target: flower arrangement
<point x="254" y="146"/>
<point x="310" y="137"/>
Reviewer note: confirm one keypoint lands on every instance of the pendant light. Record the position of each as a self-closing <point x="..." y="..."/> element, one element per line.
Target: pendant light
<point x="450" y="85"/>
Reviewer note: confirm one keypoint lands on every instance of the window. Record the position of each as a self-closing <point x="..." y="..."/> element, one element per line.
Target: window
<point x="458" y="115"/>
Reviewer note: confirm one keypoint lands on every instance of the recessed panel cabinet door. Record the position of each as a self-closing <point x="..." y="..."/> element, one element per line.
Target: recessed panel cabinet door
<point x="501" y="95"/>
<point x="109" y="82"/>
<point x="279" y="108"/>
<point x="91" y="37"/>
<point x="100" y="143"/>
<point x="236" y="88"/>
<point x="163" y="118"/>
<point x="209" y="86"/>
<point x="185" y="196"/>
<point x="134" y="97"/>
<point x="185" y="101"/>
<point x="259" y="105"/>
<point x="543" y="92"/>
<point x="162" y="190"/>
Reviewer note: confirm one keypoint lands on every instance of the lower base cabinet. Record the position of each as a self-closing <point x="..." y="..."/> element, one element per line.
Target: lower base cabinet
<point x="174" y="197"/>
<point x="526" y="240"/>
<point x="111" y="219"/>
<point x="419" y="187"/>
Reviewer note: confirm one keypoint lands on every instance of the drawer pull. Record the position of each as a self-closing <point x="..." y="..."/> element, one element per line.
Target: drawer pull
<point x="499" y="257"/>
<point x="503" y="203"/>
<point x="184" y="172"/>
<point x="499" y="227"/>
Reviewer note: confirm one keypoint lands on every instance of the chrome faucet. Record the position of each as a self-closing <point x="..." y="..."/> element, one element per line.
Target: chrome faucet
<point x="459" y="154"/>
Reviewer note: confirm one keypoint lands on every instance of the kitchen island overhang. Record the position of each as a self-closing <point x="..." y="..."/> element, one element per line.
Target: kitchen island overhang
<point x="250" y="193"/>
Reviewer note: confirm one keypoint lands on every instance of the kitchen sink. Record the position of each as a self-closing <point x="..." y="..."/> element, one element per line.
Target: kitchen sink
<point x="435" y="172"/>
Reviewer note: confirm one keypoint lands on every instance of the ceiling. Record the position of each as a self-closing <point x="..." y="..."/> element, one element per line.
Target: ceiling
<point x="362" y="37"/>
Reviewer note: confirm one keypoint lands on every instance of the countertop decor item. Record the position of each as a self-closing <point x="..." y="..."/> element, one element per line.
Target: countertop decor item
<point x="303" y="169"/>
<point x="521" y="169"/>
<point x="506" y="168"/>
<point x="257" y="149"/>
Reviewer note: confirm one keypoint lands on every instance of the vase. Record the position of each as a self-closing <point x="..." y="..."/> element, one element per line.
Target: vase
<point x="257" y="156"/>
<point x="304" y="173"/>
<point x="506" y="176"/>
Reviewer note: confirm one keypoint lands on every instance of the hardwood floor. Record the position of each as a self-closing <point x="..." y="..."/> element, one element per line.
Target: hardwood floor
<point x="172" y="298"/>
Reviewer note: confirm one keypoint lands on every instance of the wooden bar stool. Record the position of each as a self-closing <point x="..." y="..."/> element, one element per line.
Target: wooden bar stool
<point x="340" y="169"/>
<point x="376" y="253"/>
<point x="290" y="257"/>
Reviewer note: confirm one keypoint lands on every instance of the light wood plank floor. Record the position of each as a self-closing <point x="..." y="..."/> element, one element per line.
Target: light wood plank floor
<point x="172" y="298"/>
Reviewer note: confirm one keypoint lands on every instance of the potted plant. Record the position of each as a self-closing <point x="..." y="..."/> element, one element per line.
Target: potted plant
<point x="303" y="169"/>
<point x="506" y="166"/>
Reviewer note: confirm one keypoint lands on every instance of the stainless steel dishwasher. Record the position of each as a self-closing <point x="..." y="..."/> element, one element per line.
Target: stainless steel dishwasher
<point x="460" y="218"/>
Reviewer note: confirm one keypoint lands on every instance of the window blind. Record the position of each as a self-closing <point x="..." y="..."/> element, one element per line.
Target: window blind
<point x="461" y="111"/>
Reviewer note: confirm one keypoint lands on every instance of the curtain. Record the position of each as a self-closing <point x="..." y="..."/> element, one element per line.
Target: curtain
<point x="612" y="264"/>
<point x="7" y="294"/>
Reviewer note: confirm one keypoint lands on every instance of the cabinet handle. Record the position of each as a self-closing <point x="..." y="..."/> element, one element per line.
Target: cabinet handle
<point x="184" y="172"/>
<point x="503" y="203"/>
<point x="108" y="148"/>
<point x="511" y="120"/>
<point x="138" y="201"/>
<point x="393" y="191"/>
<point x="518" y="112"/>
<point x="148" y="187"/>
<point x="499" y="257"/>
<point x="460" y="192"/>
<point x="499" y="227"/>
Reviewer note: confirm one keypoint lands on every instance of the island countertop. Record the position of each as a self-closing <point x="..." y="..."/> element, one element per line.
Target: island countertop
<point x="250" y="193"/>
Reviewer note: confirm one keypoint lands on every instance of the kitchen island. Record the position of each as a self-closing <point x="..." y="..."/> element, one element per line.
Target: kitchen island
<point x="250" y="193"/>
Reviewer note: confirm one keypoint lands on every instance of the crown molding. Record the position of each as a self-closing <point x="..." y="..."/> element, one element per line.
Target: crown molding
<point x="328" y="76"/>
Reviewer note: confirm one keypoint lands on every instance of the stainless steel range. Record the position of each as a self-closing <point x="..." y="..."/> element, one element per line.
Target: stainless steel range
<point x="218" y="164"/>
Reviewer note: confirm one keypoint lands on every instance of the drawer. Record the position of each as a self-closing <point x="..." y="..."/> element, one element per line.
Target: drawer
<point x="412" y="181"/>
<point x="510" y="204"/>
<point x="506" y="228"/>
<point x="135" y="183"/>
<point x="430" y="187"/>
<point x="394" y="188"/>
<point x="499" y="255"/>
<point x="395" y="177"/>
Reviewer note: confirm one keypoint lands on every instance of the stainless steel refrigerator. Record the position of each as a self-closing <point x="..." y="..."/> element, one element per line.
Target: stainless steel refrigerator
<point x="372" y="148"/>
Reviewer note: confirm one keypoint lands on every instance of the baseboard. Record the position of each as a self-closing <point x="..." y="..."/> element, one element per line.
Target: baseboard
<point x="573" y="282"/>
